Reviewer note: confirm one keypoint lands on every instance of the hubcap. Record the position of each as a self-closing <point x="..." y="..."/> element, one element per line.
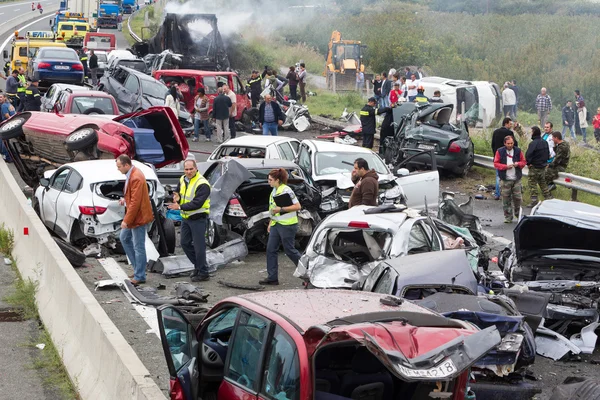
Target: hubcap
<point x="79" y="135"/>
<point x="12" y="124"/>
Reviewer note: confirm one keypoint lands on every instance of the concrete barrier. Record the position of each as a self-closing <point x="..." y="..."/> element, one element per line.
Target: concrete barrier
<point x="97" y="357"/>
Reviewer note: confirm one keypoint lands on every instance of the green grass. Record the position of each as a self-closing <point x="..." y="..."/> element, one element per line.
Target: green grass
<point x="48" y="360"/>
<point x="332" y="105"/>
<point x="137" y="23"/>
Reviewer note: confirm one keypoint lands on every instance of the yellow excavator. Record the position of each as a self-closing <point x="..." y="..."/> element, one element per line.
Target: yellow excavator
<point x="344" y="59"/>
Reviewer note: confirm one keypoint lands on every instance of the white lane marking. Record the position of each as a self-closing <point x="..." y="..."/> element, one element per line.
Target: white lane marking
<point x="9" y="38"/>
<point x="498" y="239"/>
<point x="116" y="272"/>
<point x="16" y="9"/>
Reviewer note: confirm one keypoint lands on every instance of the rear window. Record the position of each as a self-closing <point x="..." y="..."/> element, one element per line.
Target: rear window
<point x="81" y="28"/>
<point x="81" y="104"/>
<point x="336" y="162"/>
<point x="66" y="27"/>
<point x="241" y="152"/>
<point x="113" y="190"/>
<point x="101" y="57"/>
<point x="353" y="245"/>
<point x="138" y="65"/>
<point x="58" y="54"/>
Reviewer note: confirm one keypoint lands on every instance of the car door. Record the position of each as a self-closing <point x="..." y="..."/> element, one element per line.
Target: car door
<point x="131" y="93"/>
<point x="285" y="151"/>
<point x="68" y="195"/>
<point x="304" y="160"/>
<point x="47" y="100"/>
<point x="281" y="372"/>
<point x="117" y="89"/>
<point x="50" y="197"/>
<point x="420" y="187"/>
<point x="244" y="365"/>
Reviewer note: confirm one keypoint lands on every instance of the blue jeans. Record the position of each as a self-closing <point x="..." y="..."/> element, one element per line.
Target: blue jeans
<point x="193" y="243"/>
<point x="497" y="191"/>
<point x="573" y="136"/>
<point x="206" y="124"/>
<point x="412" y="98"/>
<point x="584" y="134"/>
<point x="385" y="101"/>
<point x="270" y="127"/>
<point x="281" y="234"/>
<point x="134" y="244"/>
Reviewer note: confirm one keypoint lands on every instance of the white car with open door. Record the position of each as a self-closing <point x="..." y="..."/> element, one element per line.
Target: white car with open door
<point x="79" y="202"/>
<point x="331" y="164"/>
<point x="251" y="146"/>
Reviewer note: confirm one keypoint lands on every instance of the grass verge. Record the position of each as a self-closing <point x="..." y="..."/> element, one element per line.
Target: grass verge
<point x="48" y="360"/>
<point x="332" y="105"/>
<point x="138" y="22"/>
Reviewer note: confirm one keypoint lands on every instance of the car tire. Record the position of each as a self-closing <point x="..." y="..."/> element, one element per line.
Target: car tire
<point x="213" y="236"/>
<point x="81" y="139"/>
<point x="13" y="128"/>
<point x="73" y="254"/>
<point x="469" y="165"/>
<point x="170" y="235"/>
<point x="93" y="110"/>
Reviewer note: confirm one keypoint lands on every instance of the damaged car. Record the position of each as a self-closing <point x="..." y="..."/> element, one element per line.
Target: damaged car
<point x="242" y="205"/>
<point x="444" y="282"/>
<point x="555" y="252"/>
<point x="79" y="202"/>
<point x="427" y="126"/>
<point x="38" y="140"/>
<point x="271" y="147"/>
<point x="353" y="345"/>
<point x="331" y="164"/>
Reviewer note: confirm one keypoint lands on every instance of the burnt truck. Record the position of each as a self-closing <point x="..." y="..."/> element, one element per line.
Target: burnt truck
<point x="190" y="41"/>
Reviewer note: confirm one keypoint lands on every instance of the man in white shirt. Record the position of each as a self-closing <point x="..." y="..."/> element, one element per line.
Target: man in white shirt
<point x="547" y="136"/>
<point x="412" y="86"/>
<point x="232" y="109"/>
<point x="509" y="99"/>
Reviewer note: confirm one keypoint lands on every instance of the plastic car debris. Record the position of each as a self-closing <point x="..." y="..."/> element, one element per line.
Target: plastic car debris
<point x="93" y="250"/>
<point x="241" y="286"/>
<point x="188" y="291"/>
<point x="586" y="339"/>
<point x="553" y="345"/>
<point x="108" y="284"/>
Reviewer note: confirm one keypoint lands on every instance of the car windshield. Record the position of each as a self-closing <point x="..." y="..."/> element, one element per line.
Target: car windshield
<point x="81" y="104"/>
<point x="101" y="57"/>
<point x="138" y="65"/>
<point x="58" y="54"/>
<point x="154" y="89"/>
<point x="336" y="162"/>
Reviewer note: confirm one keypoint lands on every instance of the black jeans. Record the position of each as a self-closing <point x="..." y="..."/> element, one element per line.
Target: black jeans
<point x="368" y="141"/>
<point x="232" y="126"/>
<point x="281" y="234"/>
<point x="293" y="92"/>
<point x="193" y="242"/>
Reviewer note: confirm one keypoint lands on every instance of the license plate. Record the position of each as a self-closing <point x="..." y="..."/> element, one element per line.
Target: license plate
<point x="426" y="146"/>
<point x="62" y="67"/>
<point x="445" y="369"/>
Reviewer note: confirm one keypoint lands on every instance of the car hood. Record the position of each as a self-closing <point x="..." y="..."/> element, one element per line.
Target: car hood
<point x="441" y="351"/>
<point x="539" y="235"/>
<point x="344" y="179"/>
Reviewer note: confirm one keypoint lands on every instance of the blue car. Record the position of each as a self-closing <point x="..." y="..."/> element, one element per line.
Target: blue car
<point x="56" y="65"/>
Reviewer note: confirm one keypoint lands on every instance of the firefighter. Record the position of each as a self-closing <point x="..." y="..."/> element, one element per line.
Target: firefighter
<point x="421" y="98"/>
<point x="33" y="98"/>
<point x="367" y="120"/>
<point x="255" y="85"/>
<point x="84" y="60"/>
<point x="21" y="89"/>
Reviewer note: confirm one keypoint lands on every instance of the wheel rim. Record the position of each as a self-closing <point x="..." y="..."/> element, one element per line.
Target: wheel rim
<point x="10" y="125"/>
<point x="79" y="135"/>
<point x="210" y="235"/>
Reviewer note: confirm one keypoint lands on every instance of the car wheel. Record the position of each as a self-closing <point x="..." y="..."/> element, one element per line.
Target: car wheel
<point x="73" y="254"/>
<point x="469" y="165"/>
<point x="81" y="139"/>
<point x="170" y="235"/>
<point x="213" y="238"/>
<point x="92" y="111"/>
<point x="13" y="128"/>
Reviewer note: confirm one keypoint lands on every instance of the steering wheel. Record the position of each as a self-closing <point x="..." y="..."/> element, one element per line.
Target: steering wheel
<point x="244" y="380"/>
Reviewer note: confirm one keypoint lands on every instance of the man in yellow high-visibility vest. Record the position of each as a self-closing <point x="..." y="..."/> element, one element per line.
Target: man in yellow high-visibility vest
<point x="192" y="197"/>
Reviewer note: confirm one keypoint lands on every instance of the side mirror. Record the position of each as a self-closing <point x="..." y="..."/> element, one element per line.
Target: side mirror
<point x="402" y="172"/>
<point x="45" y="183"/>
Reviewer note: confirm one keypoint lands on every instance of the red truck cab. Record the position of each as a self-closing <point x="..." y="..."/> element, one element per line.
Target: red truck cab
<point x="99" y="41"/>
<point x="190" y="81"/>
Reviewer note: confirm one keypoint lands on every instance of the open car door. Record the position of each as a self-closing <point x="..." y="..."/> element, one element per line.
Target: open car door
<point x="420" y="187"/>
<point x="181" y="352"/>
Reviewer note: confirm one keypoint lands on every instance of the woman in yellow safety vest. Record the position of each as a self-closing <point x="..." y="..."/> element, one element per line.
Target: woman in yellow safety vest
<point x="283" y="226"/>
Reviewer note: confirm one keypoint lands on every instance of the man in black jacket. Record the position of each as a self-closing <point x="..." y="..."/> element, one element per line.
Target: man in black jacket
<point x="368" y="122"/>
<point x="255" y="85"/>
<point x="498" y="142"/>
<point x="94" y="67"/>
<point x="537" y="157"/>
<point x="270" y="116"/>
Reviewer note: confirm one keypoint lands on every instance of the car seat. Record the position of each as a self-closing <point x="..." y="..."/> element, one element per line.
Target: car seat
<point x="326" y="380"/>
<point x="369" y="380"/>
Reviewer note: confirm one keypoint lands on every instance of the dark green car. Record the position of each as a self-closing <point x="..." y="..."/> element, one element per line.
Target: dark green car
<point x="427" y="126"/>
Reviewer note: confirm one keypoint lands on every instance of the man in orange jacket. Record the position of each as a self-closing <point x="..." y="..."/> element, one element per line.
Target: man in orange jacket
<point x="138" y="214"/>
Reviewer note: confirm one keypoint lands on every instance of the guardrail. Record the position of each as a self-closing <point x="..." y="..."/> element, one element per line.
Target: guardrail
<point x="133" y="35"/>
<point x="574" y="182"/>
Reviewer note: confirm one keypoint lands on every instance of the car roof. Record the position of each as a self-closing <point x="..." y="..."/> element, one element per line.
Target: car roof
<point x="323" y="145"/>
<point x="74" y="88"/>
<point x="65" y="49"/>
<point x="94" y="171"/>
<point x="256" y="141"/>
<point x="385" y="220"/>
<point x="262" y="163"/>
<point x="307" y="308"/>
<point x="193" y="72"/>
<point x="556" y="208"/>
<point x="92" y="93"/>
<point x="139" y="74"/>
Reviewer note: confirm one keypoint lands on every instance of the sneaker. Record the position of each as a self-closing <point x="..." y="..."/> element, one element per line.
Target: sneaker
<point x="135" y="282"/>
<point x="200" y="278"/>
<point x="268" y="282"/>
<point x="208" y="139"/>
<point x="194" y="139"/>
<point x="507" y="220"/>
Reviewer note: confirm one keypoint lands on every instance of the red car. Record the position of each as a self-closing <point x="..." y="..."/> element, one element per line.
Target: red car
<point x="89" y="102"/>
<point x="38" y="140"/>
<point x="190" y="80"/>
<point x="320" y="344"/>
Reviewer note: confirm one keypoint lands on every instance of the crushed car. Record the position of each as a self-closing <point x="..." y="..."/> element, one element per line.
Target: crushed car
<point x="353" y="345"/>
<point x="554" y="252"/>
<point x="270" y="147"/>
<point x="37" y="141"/>
<point x="444" y="282"/>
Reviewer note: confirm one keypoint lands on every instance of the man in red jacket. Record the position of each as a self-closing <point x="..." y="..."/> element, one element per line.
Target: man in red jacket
<point x="509" y="161"/>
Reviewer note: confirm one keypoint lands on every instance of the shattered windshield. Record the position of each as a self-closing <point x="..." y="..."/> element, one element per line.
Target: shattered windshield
<point x="338" y="162"/>
<point x="154" y="89"/>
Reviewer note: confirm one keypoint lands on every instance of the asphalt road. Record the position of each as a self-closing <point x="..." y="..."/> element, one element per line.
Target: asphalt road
<point x="137" y="324"/>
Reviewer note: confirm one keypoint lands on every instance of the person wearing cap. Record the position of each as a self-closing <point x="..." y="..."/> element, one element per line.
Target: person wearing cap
<point x="33" y="98"/>
<point x="367" y="120"/>
<point x="254" y="83"/>
<point x="421" y="98"/>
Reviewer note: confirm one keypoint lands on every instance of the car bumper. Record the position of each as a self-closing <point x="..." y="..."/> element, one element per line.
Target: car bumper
<point x="59" y="77"/>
